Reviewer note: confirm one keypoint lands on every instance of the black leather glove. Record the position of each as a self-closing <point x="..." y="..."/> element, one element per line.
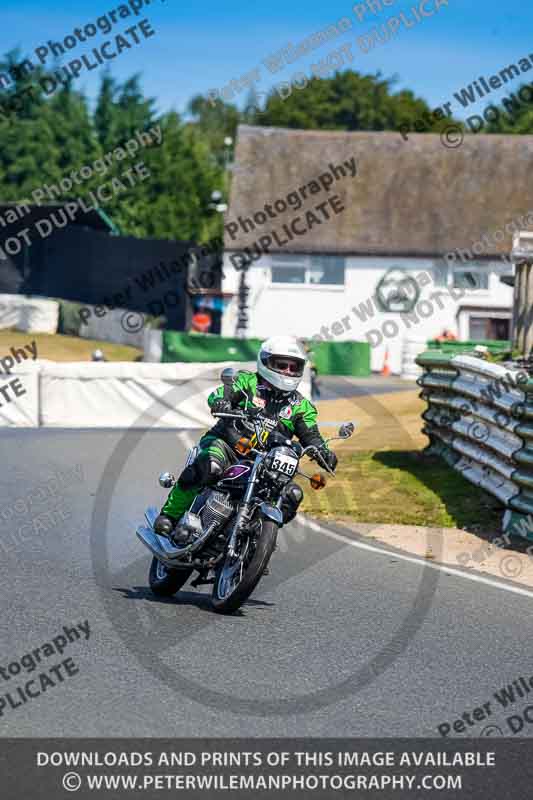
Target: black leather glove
<point x="220" y="406"/>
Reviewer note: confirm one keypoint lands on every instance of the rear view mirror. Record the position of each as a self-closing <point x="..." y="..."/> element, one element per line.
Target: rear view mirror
<point x="227" y="376"/>
<point x="166" y="480"/>
<point x="346" y="430"/>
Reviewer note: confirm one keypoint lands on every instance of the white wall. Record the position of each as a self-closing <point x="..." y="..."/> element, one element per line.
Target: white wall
<point x="299" y="310"/>
<point x="112" y="395"/>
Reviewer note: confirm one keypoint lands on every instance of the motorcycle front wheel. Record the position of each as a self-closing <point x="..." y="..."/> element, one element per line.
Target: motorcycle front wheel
<point x="166" y="582"/>
<point x="238" y="576"/>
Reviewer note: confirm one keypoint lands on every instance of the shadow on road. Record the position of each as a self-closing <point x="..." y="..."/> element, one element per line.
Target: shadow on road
<point x="184" y="598"/>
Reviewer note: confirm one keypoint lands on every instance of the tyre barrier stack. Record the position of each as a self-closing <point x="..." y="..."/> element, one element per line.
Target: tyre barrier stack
<point x="479" y="419"/>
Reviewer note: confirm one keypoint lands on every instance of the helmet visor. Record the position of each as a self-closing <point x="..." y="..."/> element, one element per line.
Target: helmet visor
<point x="285" y="365"/>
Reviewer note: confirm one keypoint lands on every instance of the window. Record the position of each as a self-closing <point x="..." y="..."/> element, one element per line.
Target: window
<point x="308" y="270"/>
<point x="327" y="269"/>
<point x="284" y="273"/>
<point x="483" y="328"/>
<point x="472" y="279"/>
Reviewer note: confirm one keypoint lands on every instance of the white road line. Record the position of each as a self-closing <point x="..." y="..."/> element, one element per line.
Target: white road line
<point x="421" y="561"/>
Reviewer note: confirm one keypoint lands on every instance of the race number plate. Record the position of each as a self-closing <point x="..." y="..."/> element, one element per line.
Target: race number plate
<point x="285" y="464"/>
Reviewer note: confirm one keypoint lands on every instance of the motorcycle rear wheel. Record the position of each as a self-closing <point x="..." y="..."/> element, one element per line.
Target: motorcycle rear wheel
<point x="228" y="594"/>
<point x="165" y="582"/>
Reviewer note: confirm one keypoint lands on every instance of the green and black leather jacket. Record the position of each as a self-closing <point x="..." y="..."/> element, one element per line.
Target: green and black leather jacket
<point x="291" y="414"/>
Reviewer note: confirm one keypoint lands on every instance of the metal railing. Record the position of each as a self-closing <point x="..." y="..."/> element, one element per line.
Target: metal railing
<point x="479" y="419"/>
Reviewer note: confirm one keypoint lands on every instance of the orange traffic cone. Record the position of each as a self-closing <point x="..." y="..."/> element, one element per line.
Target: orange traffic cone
<point x="386" y="369"/>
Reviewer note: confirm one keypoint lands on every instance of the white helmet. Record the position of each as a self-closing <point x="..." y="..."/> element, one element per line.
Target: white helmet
<point x="281" y="362"/>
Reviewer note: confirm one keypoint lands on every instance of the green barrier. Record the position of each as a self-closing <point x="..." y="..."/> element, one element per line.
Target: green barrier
<point x="342" y="358"/>
<point x="200" y="348"/>
<point x="330" y="358"/>
<point x="455" y="348"/>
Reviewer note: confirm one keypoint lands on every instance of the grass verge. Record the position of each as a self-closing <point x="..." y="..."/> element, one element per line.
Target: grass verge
<point x="402" y="487"/>
<point x="57" y="347"/>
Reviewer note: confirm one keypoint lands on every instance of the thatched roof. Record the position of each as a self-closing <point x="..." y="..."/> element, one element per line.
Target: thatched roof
<point x="412" y="197"/>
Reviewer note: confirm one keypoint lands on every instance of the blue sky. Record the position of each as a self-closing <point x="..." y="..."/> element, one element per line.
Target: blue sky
<point x="202" y="44"/>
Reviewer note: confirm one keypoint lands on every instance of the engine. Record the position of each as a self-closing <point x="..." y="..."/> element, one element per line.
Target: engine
<point x="217" y="509"/>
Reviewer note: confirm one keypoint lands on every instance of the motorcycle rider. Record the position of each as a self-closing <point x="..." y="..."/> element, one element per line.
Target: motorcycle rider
<point x="272" y="394"/>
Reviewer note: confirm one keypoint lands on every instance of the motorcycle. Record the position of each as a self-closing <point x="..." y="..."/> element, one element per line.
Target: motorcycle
<point x="230" y="531"/>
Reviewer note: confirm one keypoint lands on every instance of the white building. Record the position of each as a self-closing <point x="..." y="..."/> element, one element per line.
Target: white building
<point x="376" y="258"/>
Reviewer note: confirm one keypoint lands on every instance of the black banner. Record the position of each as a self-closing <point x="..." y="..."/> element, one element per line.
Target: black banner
<point x="269" y="768"/>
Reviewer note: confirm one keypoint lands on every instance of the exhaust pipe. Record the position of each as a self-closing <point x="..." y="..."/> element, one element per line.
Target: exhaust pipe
<point x="159" y="547"/>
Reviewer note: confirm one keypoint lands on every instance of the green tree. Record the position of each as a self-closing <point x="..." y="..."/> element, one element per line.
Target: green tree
<point x="515" y="116"/>
<point x="49" y="135"/>
<point x="105" y="113"/>
<point x="347" y="101"/>
<point x="28" y="153"/>
<point x="174" y="202"/>
<point x="121" y="110"/>
<point x="215" y="121"/>
<point x="70" y="122"/>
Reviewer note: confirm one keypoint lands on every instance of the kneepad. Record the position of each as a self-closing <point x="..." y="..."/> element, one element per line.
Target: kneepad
<point x="202" y="472"/>
<point x="212" y="470"/>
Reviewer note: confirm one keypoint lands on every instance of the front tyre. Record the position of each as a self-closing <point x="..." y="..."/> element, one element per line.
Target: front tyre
<point x="165" y="582"/>
<point x="237" y="577"/>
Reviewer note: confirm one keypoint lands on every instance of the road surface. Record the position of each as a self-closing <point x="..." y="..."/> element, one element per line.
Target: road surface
<point x="339" y="640"/>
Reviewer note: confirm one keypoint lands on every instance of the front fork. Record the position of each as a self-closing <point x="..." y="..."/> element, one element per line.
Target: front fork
<point x="244" y="512"/>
